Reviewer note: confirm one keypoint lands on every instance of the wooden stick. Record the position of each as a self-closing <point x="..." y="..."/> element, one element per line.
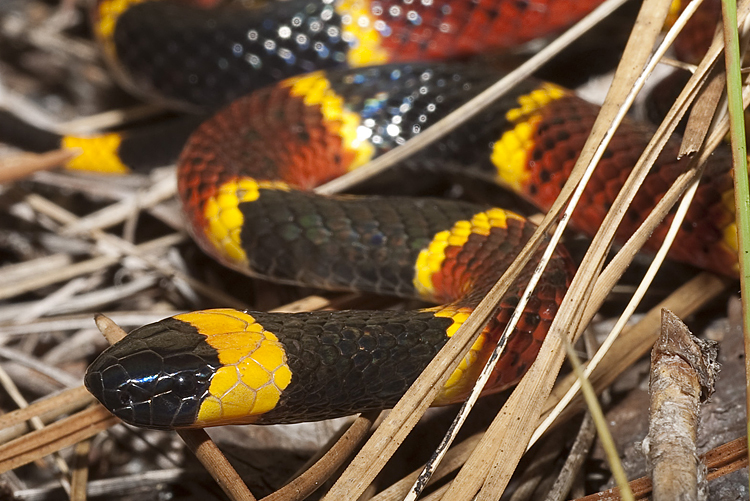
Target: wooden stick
<point x="682" y="367"/>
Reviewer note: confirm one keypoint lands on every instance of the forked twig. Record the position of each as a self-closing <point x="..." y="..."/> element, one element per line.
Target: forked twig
<point x="719" y="461"/>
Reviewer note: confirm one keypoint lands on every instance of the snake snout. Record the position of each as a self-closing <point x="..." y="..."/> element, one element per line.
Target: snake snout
<point x="157" y="385"/>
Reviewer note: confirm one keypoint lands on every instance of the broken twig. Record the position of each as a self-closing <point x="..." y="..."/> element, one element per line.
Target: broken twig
<point x="682" y="369"/>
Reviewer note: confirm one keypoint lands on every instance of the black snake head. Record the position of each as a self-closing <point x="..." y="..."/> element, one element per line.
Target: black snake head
<point x="156" y="377"/>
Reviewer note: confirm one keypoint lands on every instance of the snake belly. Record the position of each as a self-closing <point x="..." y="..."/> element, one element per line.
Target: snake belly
<point x="242" y="178"/>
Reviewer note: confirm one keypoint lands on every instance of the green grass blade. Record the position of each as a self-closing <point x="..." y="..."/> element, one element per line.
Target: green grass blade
<point x="739" y="154"/>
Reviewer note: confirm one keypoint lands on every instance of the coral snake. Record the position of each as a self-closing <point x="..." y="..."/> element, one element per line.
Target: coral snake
<point x="243" y="175"/>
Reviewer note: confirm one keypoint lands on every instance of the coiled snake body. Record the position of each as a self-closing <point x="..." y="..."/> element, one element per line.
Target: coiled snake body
<point x="243" y="173"/>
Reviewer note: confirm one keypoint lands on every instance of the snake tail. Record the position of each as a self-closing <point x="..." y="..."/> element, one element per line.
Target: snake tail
<point x="138" y="150"/>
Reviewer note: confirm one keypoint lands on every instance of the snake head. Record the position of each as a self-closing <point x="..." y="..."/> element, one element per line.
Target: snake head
<point x="156" y="377"/>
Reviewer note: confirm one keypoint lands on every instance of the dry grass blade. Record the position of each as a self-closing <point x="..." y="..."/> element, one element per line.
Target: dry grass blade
<point x="109" y="329"/>
<point x="505" y="440"/>
<point x="163" y="189"/>
<point x="217" y="464"/>
<point x="85" y="267"/>
<point x="453" y="460"/>
<point x="56" y="436"/>
<point x="36" y="423"/>
<point x="623" y="258"/>
<point x="578" y="453"/>
<point x="18" y="272"/>
<point x="81" y="321"/>
<point x="113" y="487"/>
<point x="126" y="248"/>
<point x="110" y="119"/>
<point x="12" y="390"/>
<point x="702" y="114"/>
<point x="58" y="375"/>
<point x="25" y="164"/>
<point x="13" y="424"/>
<point x="80" y="475"/>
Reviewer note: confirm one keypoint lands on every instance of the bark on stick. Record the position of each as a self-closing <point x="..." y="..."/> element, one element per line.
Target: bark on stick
<point x="682" y="369"/>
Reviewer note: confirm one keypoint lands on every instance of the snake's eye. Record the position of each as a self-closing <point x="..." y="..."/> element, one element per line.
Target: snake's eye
<point x="184" y="384"/>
